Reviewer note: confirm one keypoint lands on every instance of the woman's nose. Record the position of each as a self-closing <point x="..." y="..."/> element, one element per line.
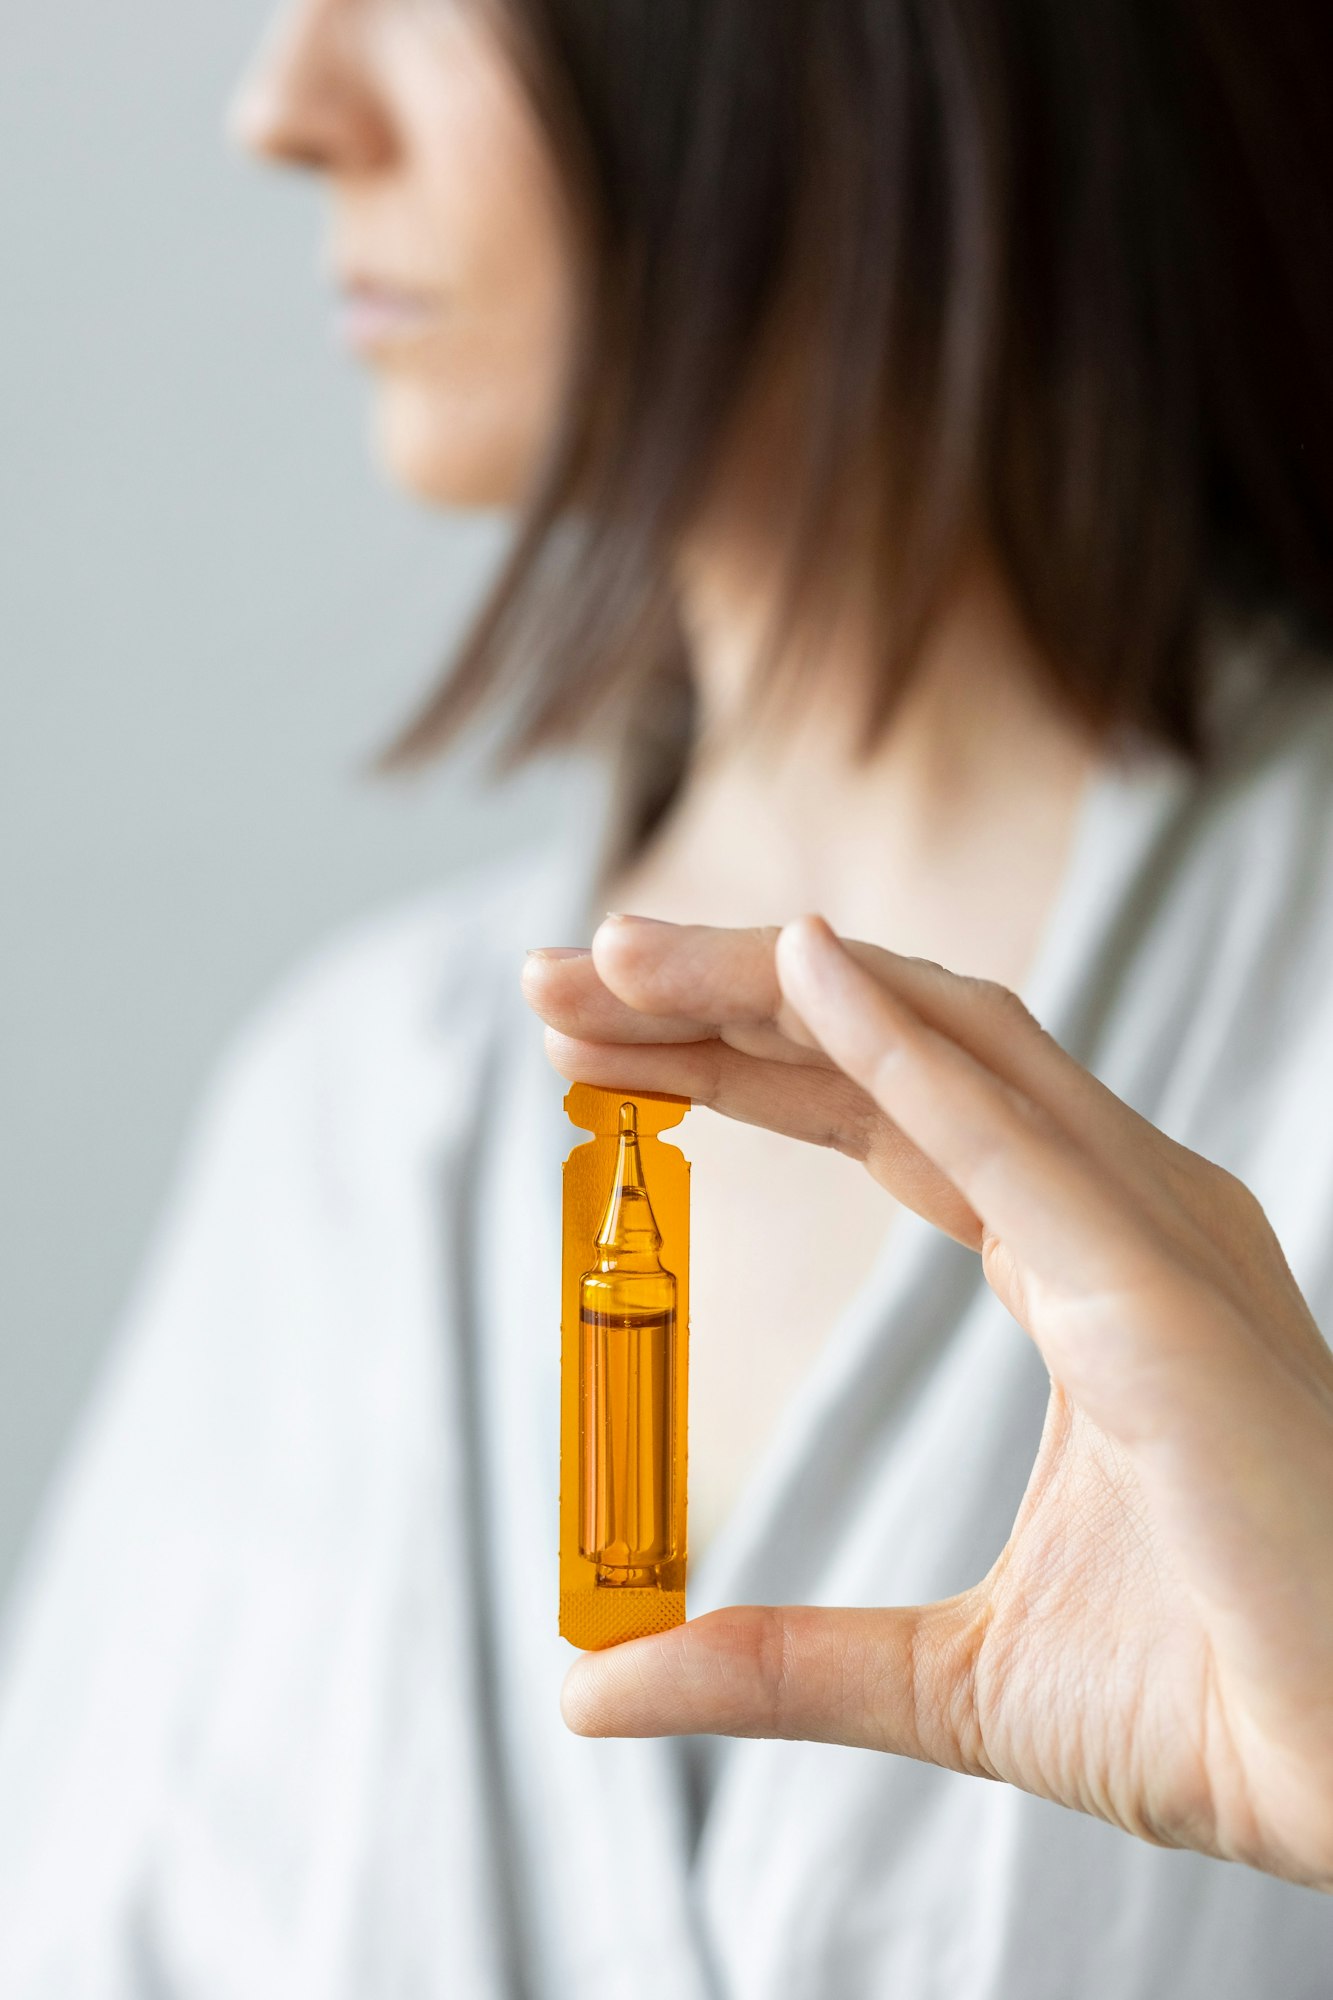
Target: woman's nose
<point x="307" y="98"/>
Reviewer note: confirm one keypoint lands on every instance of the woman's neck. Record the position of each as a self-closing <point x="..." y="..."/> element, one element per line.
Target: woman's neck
<point x="949" y="841"/>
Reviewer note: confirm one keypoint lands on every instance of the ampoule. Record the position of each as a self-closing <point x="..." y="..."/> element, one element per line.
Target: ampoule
<point x="627" y="1325"/>
<point x="624" y="1369"/>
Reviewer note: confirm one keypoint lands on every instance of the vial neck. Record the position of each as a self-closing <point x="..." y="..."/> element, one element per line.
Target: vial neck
<point x="629" y="1238"/>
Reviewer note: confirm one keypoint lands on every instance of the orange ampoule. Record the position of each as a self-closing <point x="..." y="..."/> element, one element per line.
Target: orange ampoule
<point x="624" y="1371"/>
<point x="627" y="1328"/>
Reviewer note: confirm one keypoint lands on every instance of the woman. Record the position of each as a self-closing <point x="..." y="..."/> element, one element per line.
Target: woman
<point x="923" y="436"/>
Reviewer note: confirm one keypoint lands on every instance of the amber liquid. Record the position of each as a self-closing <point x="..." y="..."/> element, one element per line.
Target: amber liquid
<point x="626" y="1514"/>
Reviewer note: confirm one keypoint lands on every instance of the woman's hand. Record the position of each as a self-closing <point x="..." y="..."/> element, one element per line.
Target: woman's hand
<point x="1155" y="1643"/>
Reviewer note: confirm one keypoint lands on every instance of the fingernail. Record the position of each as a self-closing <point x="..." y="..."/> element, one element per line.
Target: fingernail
<point x="631" y="917"/>
<point x="559" y="951"/>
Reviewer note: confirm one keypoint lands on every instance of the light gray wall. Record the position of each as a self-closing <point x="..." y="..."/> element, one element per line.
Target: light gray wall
<point x="211" y="610"/>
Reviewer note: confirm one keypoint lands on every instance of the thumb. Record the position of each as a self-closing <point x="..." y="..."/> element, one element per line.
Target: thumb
<point x="895" y="1680"/>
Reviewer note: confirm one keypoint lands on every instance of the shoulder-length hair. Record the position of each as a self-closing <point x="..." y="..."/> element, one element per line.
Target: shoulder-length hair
<point x="1064" y="274"/>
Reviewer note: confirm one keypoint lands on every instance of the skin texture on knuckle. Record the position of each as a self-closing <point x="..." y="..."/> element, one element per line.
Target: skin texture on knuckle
<point x="710" y="1074"/>
<point x="766" y="1639"/>
<point x="1223" y="1257"/>
<point x="857" y="1126"/>
<point x="1237" y="1200"/>
<point x="1222" y="1232"/>
<point x="1214" y="1196"/>
<point x="789" y="1672"/>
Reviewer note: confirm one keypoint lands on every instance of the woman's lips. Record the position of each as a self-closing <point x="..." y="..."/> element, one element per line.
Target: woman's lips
<point x="373" y="316"/>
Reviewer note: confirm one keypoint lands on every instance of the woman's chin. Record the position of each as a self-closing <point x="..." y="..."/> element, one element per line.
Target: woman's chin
<point x="438" y="454"/>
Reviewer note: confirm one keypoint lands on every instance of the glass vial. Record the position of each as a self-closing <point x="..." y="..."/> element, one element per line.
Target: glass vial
<point x="627" y="1334"/>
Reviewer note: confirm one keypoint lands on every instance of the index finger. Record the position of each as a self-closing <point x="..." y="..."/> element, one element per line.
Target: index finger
<point x="695" y="973"/>
<point x="649" y="981"/>
<point x="571" y="996"/>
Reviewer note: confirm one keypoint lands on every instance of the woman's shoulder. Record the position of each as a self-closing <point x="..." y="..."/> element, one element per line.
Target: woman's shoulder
<point x="417" y="980"/>
<point x="405" y="955"/>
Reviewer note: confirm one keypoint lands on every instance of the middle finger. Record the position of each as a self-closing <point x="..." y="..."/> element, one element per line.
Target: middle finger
<point x="712" y="982"/>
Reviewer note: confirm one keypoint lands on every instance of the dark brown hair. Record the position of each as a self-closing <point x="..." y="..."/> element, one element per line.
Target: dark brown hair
<point x="1063" y="274"/>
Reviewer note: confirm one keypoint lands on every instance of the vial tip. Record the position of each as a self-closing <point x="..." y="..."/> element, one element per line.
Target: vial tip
<point x="629" y="1117"/>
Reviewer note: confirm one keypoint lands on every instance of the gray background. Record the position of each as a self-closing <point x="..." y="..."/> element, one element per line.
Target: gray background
<point x="212" y="609"/>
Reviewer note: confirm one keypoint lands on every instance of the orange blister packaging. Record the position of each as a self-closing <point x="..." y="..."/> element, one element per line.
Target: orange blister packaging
<point x="624" y="1369"/>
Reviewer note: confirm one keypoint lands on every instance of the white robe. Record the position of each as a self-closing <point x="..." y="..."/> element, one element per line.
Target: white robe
<point x="279" y="1703"/>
